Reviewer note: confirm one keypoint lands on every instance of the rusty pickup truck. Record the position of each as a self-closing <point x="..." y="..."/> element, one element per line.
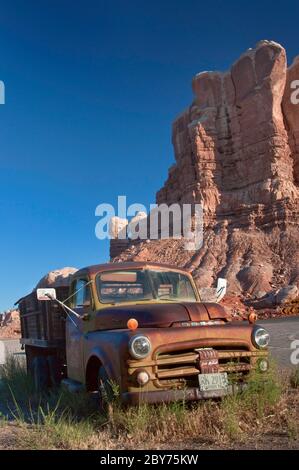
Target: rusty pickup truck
<point x="143" y="327"/>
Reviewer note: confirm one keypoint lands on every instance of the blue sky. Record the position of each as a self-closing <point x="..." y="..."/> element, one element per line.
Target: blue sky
<point x="91" y="90"/>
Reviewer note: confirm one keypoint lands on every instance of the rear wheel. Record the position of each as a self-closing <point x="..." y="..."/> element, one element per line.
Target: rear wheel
<point x="40" y="373"/>
<point x="44" y="367"/>
<point x="31" y="352"/>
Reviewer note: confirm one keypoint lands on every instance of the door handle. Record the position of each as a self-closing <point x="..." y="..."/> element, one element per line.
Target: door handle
<point x="85" y="317"/>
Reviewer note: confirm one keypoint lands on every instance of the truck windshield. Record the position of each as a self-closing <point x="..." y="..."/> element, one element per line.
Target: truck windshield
<point x="137" y="285"/>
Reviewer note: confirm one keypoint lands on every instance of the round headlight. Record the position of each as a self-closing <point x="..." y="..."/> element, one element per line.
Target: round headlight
<point x="139" y="347"/>
<point x="261" y="338"/>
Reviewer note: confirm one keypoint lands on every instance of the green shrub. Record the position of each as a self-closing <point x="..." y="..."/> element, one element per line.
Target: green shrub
<point x="14" y="377"/>
<point x="263" y="390"/>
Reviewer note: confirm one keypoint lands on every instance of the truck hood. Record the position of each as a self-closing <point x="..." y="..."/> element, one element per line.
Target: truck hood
<point x="159" y="315"/>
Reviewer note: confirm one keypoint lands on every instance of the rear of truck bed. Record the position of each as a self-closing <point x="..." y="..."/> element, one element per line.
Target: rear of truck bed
<point x="43" y="336"/>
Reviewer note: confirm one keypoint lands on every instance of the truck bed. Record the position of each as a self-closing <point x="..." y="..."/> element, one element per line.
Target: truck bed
<point x="43" y="323"/>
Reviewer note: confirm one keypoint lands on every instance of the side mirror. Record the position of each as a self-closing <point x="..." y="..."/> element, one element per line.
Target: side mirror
<point x="46" y="294"/>
<point x="221" y="288"/>
<point x="50" y="294"/>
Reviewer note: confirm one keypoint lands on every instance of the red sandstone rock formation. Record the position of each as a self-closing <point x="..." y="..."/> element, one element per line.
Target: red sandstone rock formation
<point x="57" y="278"/>
<point x="237" y="153"/>
<point x="10" y="326"/>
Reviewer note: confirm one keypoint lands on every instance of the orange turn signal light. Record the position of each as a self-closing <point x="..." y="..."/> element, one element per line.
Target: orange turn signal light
<point x="132" y="324"/>
<point x="252" y="317"/>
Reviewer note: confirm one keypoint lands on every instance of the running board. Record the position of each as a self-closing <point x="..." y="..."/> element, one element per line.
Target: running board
<point x="72" y="385"/>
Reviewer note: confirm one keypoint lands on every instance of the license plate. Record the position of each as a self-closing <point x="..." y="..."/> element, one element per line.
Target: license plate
<point x="208" y="382"/>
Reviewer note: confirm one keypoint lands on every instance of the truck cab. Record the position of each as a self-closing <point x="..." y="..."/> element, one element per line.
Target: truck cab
<point x="142" y="326"/>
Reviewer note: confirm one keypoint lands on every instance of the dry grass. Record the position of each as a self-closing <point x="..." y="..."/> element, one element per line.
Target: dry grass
<point x="266" y="412"/>
<point x="294" y="379"/>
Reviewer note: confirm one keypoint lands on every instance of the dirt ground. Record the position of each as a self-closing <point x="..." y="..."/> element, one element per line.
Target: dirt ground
<point x="267" y="418"/>
<point x="11" y="436"/>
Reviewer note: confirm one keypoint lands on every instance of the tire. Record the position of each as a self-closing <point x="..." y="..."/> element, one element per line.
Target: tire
<point x="54" y="370"/>
<point x="31" y="352"/>
<point x="105" y="392"/>
<point x="44" y="367"/>
<point x="40" y="373"/>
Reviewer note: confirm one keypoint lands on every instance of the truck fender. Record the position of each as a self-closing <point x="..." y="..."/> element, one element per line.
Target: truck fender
<point x="96" y="358"/>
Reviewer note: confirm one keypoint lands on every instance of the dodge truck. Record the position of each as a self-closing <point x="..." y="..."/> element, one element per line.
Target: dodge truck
<point x="143" y="327"/>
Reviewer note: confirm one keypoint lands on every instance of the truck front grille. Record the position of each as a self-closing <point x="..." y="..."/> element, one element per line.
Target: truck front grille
<point x="182" y="366"/>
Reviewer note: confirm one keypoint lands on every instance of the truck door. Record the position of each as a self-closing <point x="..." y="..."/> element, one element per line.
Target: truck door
<point x="80" y="302"/>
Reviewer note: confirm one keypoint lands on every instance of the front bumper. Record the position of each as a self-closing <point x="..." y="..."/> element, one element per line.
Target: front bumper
<point x="168" y="396"/>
